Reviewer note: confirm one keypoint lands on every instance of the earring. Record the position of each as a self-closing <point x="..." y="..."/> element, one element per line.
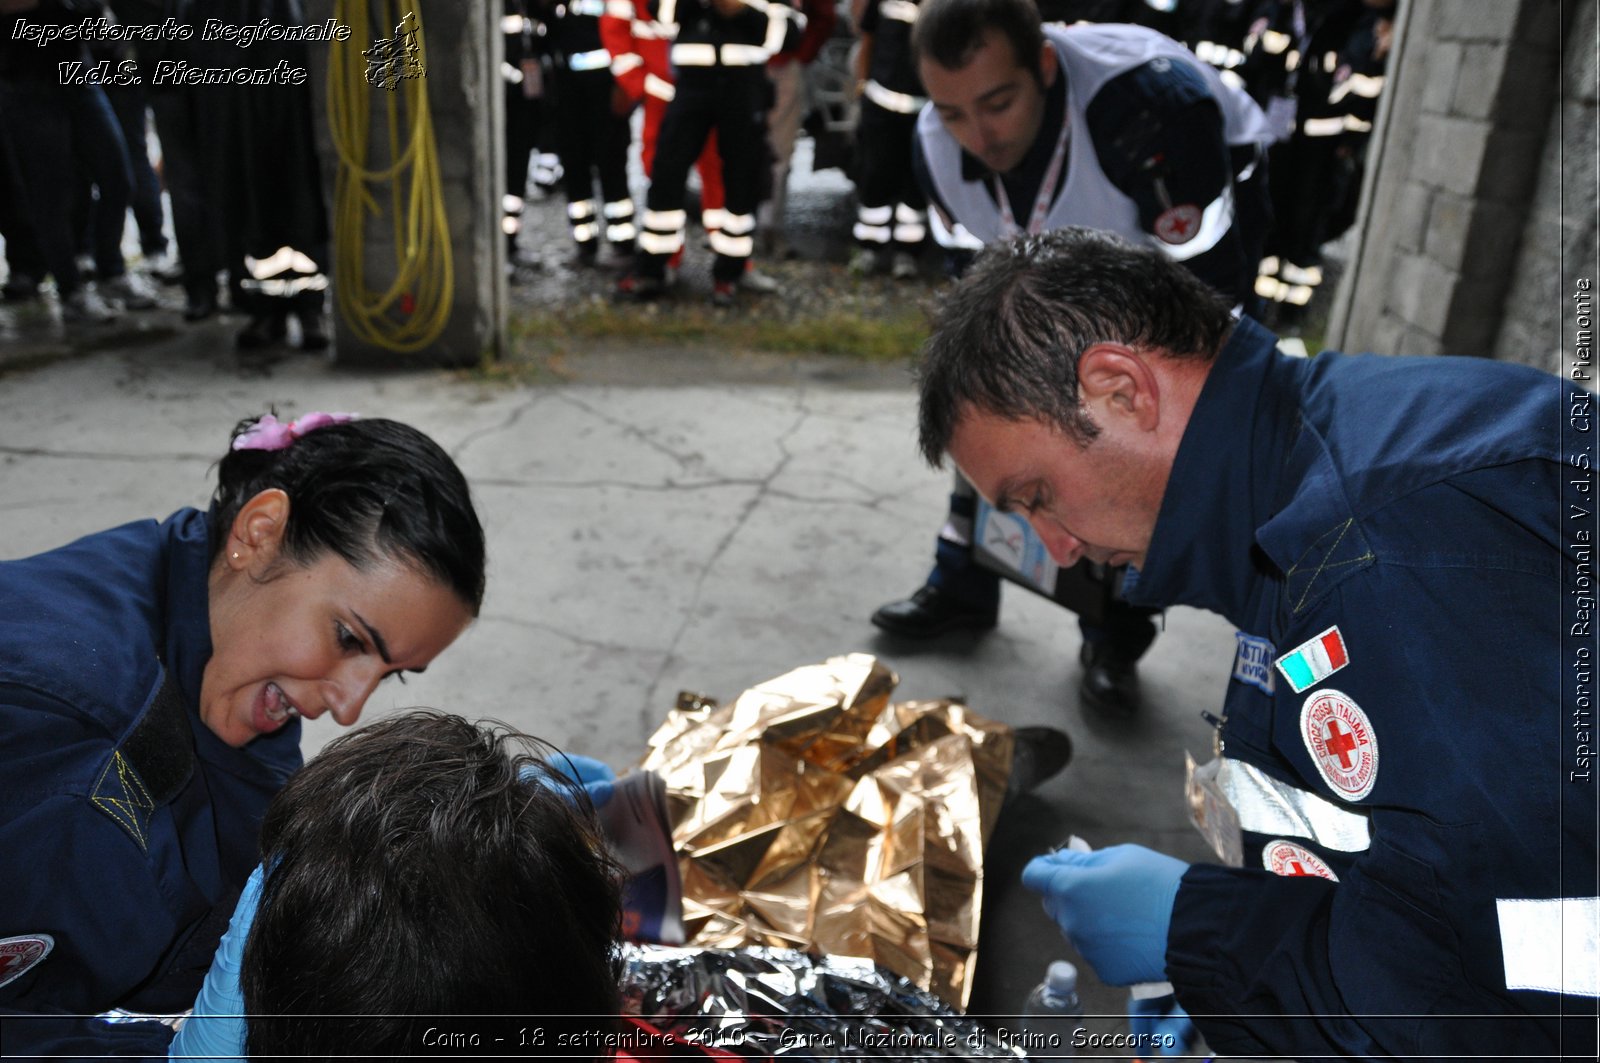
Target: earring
<point x="235" y="555"/>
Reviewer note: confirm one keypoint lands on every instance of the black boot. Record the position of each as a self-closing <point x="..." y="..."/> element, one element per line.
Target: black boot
<point x="1110" y="683"/>
<point x="931" y="612"/>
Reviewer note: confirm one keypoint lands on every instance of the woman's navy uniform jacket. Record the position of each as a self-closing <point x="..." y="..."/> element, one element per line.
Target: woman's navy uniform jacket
<point x="1406" y="548"/>
<point x="127" y="828"/>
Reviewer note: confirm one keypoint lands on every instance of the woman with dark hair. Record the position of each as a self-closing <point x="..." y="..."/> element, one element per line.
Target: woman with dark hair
<point x="151" y="687"/>
<point x="419" y="869"/>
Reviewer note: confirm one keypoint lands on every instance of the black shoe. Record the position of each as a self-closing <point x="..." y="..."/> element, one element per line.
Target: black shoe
<point x="198" y="309"/>
<point x="264" y="330"/>
<point x="931" y="612"/>
<point x="1110" y="684"/>
<point x="587" y="255"/>
<point x="724" y="294"/>
<point x="636" y="288"/>
<point x="1039" y="753"/>
<point x="312" y="337"/>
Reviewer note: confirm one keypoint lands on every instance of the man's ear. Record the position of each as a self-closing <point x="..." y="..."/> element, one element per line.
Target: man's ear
<point x="1118" y="381"/>
<point x="256" y="538"/>
<point x="1047" y="65"/>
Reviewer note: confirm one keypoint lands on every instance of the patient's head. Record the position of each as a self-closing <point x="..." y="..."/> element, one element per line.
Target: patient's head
<point x="417" y="869"/>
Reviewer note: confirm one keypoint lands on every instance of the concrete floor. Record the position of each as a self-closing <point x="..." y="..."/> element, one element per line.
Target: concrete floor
<point x="663" y="520"/>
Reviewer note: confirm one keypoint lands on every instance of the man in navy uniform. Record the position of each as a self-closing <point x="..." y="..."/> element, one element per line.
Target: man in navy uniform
<point x="1119" y="128"/>
<point x="1406" y="548"/>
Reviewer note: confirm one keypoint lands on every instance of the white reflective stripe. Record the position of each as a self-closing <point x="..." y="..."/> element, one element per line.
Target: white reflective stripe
<point x="738" y="224"/>
<point x="1269" y="265"/>
<point x="772" y="44"/>
<point x="1330" y="62"/>
<point x="1552" y="945"/>
<point x="1363" y="85"/>
<point x="1268" y="288"/>
<point x="713" y="218"/>
<point x="599" y="59"/>
<point x="511" y="204"/>
<point x="644" y="30"/>
<point x="1267" y="806"/>
<point x="890" y="100"/>
<point x="694" y="55"/>
<point x="1215" y="221"/>
<point x="281" y="260"/>
<point x="732" y="246"/>
<point x="618" y="208"/>
<point x="621" y="233"/>
<point x="586" y="231"/>
<point x="1292" y="63"/>
<point x="515" y="24"/>
<point x="1296" y="275"/>
<point x="1298" y="294"/>
<point x="667" y="15"/>
<point x="510" y="224"/>
<point x="591" y="8"/>
<point x="742" y="54"/>
<point x="875" y="215"/>
<point x="1275" y="43"/>
<point x="665" y="221"/>
<point x="1323" y="127"/>
<point x="657" y="244"/>
<point x="899" y="10"/>
<point x="659" y="87"/>
<point x="909" y="233"/>
<point x="620" y="9"/>
<point x="872" y="234"/>
<point x="583" y="208"/>
<point x="1232" y="80"/>
<point x="283" y="287"/>
<point x="621" y="64"/>
<point x="909" y="215"/>
<point x="512" y="74"/>
<point x="1357" y="125"/>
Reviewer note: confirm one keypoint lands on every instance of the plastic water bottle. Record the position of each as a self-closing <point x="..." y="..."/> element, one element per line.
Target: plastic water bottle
<point x="1053" y="1013"/>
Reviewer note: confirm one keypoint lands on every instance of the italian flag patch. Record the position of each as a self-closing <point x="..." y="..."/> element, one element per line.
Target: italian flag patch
<point x="1311" y="662"/>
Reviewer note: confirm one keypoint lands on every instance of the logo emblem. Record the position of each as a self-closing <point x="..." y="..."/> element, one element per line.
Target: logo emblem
<point x="1295" y="861"/>
<point x="1178" y="225"/>
<point x="1339" y="738"/>
<point x="1311" y="662"/>
<point x="20" y="954"/>
<point x="1253" y="663"/>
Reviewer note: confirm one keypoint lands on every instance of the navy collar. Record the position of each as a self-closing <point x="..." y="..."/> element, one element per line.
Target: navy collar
<point x="1226" y="481"/>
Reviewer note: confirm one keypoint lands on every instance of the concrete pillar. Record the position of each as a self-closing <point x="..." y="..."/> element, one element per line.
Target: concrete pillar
<point x="462" y="78"/>
<point x="1452" y="172"/>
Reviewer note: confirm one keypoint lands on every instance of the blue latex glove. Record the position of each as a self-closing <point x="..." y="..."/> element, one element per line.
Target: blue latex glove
<point x="595" y="776"/>
<point x="1115" y="904"/>
<point x="216" y="1029"/>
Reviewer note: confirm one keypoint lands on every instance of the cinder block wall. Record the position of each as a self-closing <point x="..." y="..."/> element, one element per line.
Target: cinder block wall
<point x="1464" y="138"/>
<point x="1559" y="238"/>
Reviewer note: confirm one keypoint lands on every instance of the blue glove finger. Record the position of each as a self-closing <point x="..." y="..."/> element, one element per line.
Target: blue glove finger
<point x="595" y="776"/>
<point x="1115" y="904"/>
<point x="217" y="1027"/>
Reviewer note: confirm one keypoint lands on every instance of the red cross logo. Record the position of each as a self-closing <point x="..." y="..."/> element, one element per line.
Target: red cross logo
<point x="1178" y="224"/>
<point x="1340" y="742"/>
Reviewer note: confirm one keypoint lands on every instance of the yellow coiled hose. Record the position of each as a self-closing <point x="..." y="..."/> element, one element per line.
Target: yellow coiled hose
<point x="411" y="312"/>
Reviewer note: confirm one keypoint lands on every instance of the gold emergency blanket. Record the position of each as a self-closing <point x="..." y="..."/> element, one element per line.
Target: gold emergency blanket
<point x="812" y="814"/>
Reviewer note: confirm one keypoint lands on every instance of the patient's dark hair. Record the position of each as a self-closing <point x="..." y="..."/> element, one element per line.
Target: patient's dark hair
<point x="418" y="870"/>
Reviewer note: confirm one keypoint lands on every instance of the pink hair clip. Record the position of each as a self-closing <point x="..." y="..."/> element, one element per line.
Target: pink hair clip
<point x="269" y="433"/>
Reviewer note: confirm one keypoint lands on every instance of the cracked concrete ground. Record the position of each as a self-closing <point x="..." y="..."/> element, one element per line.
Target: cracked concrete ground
<point x="662" y="520"/>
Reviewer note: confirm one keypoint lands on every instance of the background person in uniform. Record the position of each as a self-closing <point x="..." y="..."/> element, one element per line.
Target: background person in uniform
<point x="151" y="694"/>
<point x="891" y="210"/>
<point x="1373" y="526"/>
<point x="1115" y="127"/>
<point x="720" y="51"/>
<point x="419" y="868"/>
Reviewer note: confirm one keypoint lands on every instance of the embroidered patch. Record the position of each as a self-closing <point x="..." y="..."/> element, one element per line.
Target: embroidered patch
<point x="121" y="794"/>
<point x="1295" y="861"/>
<point x="1311" y="662"/>
<point x="1178" y="225"/>
<point x="19" y="954"/>
<point x="1253" y="663"/>
<point x="1340" y="740"/>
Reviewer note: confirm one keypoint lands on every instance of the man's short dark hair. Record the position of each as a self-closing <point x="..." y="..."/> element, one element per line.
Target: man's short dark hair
<point x="949" y="31"/>
<point x="415" y="870"/>
<point x="1008" y="339"/>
